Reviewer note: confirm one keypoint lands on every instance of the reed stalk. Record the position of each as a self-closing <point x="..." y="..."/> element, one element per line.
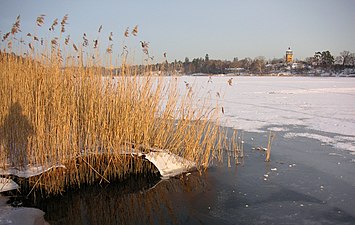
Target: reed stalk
<point x="271" y="137"/>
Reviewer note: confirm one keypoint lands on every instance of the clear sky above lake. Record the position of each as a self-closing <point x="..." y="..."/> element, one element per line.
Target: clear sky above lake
<point x="191" y="28"/>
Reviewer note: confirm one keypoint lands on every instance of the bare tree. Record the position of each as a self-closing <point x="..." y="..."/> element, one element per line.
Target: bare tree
<point x="346" y="57"/>
<point x="352" y="59"/>
<point x="258" y="64"/>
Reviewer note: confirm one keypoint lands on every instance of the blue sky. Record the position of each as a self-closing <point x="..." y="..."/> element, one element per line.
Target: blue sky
<point x="224" y="29"/>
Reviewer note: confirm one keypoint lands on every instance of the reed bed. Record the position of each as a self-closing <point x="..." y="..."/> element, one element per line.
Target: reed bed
<point x="60" y="107"/>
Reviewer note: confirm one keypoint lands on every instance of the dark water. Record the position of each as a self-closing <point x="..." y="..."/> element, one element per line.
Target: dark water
<point x="303" y="184"/>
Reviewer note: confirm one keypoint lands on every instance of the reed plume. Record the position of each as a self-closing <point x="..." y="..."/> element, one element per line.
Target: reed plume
<point x="40" y="20"/>
<point x="55" y="23"/>
<point x="63" y="23"/>
<point x="16" y="26"/>
<point x="135" y="31"/>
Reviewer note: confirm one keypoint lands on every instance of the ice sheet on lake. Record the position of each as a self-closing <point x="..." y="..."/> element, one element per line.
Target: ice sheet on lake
<point x="317" y="103"/>
<point x="341" y="142"/>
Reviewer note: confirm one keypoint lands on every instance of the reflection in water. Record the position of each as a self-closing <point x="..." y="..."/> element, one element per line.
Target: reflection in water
<point x="15" y="132"/>
<point x="138" y="200"/>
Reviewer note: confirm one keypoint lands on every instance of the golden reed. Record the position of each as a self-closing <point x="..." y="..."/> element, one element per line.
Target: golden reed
<point x="59" y="106"/>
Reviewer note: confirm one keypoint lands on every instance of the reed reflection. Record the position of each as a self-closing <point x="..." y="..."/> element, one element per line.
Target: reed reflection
<point x="138" y="200"/>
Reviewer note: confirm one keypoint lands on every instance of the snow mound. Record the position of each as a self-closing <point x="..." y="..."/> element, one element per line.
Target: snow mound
<point x="168" y="164"/>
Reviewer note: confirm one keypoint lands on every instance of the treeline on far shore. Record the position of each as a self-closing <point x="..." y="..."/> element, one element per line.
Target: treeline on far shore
<point x="321" y="63"/>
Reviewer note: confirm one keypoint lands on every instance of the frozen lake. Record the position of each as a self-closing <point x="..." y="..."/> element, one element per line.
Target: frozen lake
<point x="271" y="103"/>
<point x="304" y="183"/>
<point x="309" y="179"/>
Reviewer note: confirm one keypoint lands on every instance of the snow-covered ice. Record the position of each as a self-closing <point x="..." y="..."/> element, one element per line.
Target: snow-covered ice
<point x="168" y="164"/>
<point x="28" y="171"/>
<point x="325" y="104"/>
<point x="7" y="184"/>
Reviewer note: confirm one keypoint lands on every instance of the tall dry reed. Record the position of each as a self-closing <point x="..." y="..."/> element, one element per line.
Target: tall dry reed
<point x="60" y="106"/>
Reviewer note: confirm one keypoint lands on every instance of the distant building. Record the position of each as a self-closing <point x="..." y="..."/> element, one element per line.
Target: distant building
<point x="289" y="55"/>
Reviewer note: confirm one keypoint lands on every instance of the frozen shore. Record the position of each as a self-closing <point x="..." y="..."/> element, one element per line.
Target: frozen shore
<point x="304" y="183"/>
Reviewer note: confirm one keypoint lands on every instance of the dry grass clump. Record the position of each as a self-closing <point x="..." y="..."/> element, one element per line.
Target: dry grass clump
<point x="58" y="108"/>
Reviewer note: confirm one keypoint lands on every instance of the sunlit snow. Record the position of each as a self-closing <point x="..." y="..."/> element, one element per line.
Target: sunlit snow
<point x="325" y="104"/>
